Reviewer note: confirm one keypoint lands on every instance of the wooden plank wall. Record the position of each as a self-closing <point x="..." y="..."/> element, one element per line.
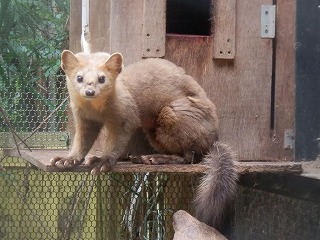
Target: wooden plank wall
<point x="115" y="26"/>
<point x="241" y="87"/>
<point x="284" y="118"/>
<point x="75" y="26"/>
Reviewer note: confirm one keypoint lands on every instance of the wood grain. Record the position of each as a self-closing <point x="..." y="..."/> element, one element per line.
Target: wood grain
<point x="75" y="26"/>
<point x="224" y="30"/>
<point x="154" y="28"/>
<point x="126" y="29"/>
<point x="241" y="89"/>
<point x="100" y="26"/>
<point x="285" y="77"/>
<point x="115" y="26"/>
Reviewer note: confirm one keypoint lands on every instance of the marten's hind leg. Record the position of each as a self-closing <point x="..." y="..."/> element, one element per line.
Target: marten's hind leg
<point x="157" y="159"/>
<point x="184" y="129"/>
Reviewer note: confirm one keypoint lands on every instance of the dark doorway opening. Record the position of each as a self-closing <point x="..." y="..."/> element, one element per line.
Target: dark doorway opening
<point x="189" y="17"/>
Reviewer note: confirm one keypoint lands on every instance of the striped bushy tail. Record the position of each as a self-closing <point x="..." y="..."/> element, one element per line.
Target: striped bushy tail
<point x="217" y="188"/>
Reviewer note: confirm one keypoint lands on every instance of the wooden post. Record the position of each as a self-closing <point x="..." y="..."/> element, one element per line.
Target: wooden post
<point x="224" y="30"/>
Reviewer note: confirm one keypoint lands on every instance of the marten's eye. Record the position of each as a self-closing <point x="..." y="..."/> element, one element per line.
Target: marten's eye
<point x="101" y="79"/>
<point x="79" y="79"/>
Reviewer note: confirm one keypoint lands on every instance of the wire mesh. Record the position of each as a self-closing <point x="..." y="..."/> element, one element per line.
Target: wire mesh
<point x="40" y="205"/>
<point x="33" y="91"/>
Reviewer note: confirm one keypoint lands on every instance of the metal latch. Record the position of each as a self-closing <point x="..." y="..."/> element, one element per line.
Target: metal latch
<point x="268" y="21"/>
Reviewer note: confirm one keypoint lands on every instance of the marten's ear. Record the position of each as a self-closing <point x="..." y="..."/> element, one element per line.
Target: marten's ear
<point x="114" y="63"/>
<point x="68" y="60"/>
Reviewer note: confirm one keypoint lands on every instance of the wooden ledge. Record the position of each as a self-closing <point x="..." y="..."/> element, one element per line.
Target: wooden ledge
<point x="41" y="158"/>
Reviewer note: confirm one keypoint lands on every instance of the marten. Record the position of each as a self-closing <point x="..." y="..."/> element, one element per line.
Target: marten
<point x="177" y="117"/>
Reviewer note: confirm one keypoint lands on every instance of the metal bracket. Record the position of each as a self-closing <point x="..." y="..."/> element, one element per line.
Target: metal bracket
<point x="268" y="21"/>
<point x="288" y="139"/>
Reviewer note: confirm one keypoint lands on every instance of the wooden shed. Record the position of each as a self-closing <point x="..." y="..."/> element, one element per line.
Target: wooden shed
<point x="258" y="60"/>
<point x="241" y="52"/>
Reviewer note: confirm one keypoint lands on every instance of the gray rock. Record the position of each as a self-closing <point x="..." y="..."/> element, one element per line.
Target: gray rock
<point x="187" y="227"/>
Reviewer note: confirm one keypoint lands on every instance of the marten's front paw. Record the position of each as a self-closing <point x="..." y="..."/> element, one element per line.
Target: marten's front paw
<point x="100" y="164"/>
<point x="65" y="162"/>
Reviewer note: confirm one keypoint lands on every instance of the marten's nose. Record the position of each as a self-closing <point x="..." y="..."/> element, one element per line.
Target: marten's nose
<point x="89" y="93"/>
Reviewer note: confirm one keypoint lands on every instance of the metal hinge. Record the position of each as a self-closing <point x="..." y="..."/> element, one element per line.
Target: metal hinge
<point x="268" y="21"/>
<point x="289" y="139"/>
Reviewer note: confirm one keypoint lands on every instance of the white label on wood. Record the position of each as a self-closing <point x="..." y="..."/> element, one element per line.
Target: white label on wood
<point x="154" y="28"/>
<point x="224" y="34"/>
<point x="268" y="21"/>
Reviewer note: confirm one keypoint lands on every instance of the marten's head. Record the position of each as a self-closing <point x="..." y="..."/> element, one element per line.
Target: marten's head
<point x="91" y="75"/>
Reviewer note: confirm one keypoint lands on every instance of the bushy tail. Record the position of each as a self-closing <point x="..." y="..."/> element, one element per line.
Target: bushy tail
<point x="217" y="188"/>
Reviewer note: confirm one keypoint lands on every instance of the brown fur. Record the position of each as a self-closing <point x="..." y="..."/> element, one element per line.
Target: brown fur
<point x="174" y="112"/>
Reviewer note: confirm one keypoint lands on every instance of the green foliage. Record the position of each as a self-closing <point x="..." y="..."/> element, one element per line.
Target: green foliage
<point x="32" y="35"/>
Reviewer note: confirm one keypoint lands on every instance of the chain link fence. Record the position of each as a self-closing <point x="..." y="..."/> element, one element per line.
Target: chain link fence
<point x="33" y="92"/>
<point x="41" y="205"/>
